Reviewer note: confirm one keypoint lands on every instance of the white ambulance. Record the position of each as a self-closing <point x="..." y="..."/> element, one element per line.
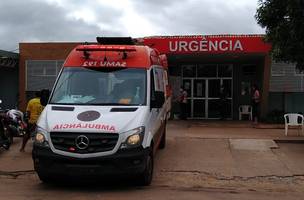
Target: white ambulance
<point x="106" y="115"/>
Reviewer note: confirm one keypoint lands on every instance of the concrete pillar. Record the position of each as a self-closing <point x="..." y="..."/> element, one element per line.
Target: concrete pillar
<point x="265" y="89"/>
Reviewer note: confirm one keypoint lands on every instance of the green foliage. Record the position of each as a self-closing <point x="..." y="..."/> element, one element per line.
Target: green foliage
<point x="284" y="23"/>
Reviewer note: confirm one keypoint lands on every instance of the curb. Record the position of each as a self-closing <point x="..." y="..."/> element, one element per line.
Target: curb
<point x="290" y="141"/>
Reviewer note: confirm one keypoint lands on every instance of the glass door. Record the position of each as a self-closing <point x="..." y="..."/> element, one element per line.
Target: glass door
<point x="213" y="88"/>
<point x="188" y="85"/>
<point x="199" y="98"/>
<point x="203" y="85"/>
<point x="227" y="83"/>
<point x="213" y="99"/>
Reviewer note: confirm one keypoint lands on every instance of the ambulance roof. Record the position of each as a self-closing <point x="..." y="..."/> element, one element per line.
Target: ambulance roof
<point x="100" y="55"/>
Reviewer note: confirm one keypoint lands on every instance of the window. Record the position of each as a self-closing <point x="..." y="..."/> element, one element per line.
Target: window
<point x="41" y="74"/>
<point x="207" y="70"/>
<point x="189" y="70"/>
<point x="298" y="72"/>
<point x="225" y="70"/>
<point x="41" y="68"/>
<point x="278" y="69"/>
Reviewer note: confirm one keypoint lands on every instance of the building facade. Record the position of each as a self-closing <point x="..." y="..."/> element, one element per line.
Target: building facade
<point x="286" y="89"/>
<point x="9" y="82"/>
<point x="202" y="64"/>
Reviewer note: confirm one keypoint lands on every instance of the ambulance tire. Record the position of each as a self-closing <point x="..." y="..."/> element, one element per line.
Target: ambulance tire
<point x="145" y="178"/>
<point x="45" y="178"/>
<point x="9" y="136"/>
<point x="6" y="145"/>
<point x="162" y="143"/>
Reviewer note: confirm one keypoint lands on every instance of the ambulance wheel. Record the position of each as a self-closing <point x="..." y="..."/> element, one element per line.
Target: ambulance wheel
<point x="9" y="136"/>
<point x="145" y="178"/>
<point x="162" y="143"/>
<point x="6" y="145"/>
<point x="45" y="178"/>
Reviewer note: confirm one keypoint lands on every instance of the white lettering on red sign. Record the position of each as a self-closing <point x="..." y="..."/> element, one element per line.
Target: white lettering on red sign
<point x="104" y="64"/>
<point x="104" y="127"/>
<point x="205" y="45"/>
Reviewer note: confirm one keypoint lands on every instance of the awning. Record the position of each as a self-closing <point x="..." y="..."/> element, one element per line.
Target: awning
<point x="8" y="59"/>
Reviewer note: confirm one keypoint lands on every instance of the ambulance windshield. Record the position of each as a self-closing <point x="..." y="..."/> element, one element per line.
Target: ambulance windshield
<point x="89" y="86"/>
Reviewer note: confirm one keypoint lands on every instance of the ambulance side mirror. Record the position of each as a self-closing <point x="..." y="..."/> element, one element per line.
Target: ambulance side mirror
<point x="45" y="94"/>
<point x="157" y="99"/>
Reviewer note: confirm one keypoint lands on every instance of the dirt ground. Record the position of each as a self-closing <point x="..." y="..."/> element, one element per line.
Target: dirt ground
<point x="201" y="161"/>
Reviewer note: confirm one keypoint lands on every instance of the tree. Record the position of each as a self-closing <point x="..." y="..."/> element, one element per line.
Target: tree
<point x="284" y="23"/>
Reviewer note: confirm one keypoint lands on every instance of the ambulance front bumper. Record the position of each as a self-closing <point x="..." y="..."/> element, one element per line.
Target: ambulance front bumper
<point x="123" y="162"/>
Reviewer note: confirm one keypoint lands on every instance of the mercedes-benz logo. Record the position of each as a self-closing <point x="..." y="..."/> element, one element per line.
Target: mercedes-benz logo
<point x="82" y="142"/>
<point x="88" y="116"/>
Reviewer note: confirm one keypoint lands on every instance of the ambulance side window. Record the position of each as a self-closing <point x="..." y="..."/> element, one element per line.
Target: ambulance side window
<point x="152" y="85"/>
<point x="157" y="98"/>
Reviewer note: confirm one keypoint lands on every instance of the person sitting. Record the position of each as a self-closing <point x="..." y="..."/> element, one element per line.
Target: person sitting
<point x="123" y="93"/>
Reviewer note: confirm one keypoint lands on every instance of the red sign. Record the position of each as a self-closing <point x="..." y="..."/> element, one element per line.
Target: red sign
<point x="209" y="44"/>
<point x="95" y="63"/>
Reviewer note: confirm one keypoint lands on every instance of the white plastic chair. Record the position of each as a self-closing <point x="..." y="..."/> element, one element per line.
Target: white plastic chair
<point x="245" y="110"/>
<point x="293" y="119"/>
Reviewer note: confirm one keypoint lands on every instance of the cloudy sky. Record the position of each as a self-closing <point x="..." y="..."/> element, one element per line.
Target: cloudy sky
<point x="83" y="20"/>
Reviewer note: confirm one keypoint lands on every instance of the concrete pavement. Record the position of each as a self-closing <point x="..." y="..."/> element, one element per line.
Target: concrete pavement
<point x="15" y="161"/>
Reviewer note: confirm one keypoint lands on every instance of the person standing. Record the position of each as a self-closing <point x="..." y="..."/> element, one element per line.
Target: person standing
<point x="223" y="102"/>
<point x="256" y="98"/>
<point x="183" y="103"/>
<point x="33" y="109"/>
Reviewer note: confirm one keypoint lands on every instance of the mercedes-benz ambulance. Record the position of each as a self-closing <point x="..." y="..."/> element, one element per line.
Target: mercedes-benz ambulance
<point x="106" y="115"/>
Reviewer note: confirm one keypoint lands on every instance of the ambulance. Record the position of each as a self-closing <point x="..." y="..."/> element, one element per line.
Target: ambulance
<point x="106" y="115"/>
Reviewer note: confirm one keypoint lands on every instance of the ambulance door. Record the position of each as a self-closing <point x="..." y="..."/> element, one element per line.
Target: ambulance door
<point x="157" y="102"/>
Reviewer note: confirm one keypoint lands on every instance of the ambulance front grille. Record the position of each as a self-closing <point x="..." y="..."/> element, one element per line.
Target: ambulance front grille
<point x="98" y="142"/>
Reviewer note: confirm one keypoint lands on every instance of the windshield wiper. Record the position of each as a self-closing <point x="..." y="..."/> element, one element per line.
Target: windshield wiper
<point x="97" y="104"/>
<point x="70" y="104"/>
<point x="111" y="104"/>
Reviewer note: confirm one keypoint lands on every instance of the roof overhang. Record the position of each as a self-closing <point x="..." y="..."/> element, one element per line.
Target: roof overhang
<point x="8" y="59"/>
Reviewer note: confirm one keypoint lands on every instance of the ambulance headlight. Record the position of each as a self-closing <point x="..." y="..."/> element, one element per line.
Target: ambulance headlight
<point x="134" y="138"/>
<point x="40" y="138"/>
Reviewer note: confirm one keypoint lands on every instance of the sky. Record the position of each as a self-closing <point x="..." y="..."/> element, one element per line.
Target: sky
<point x="83" y="20"/>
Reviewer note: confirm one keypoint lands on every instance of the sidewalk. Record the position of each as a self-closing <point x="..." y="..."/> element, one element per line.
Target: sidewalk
<point x="231" y="155"/>
<point x="235" y="130"/>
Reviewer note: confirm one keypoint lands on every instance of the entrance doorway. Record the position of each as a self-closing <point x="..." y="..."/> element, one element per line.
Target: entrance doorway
<point x="204" y="92"/>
